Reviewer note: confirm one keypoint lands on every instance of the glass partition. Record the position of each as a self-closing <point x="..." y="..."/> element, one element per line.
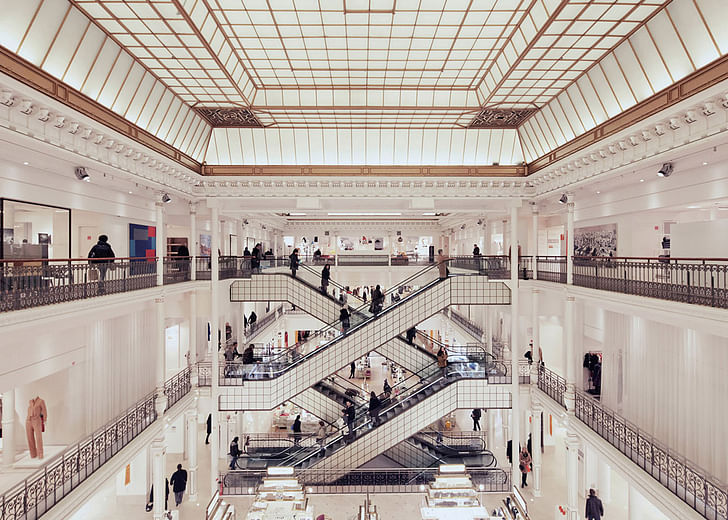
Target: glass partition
<point x="34" y="231"/>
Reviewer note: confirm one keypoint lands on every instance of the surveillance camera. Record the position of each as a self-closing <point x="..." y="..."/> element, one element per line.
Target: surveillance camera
<point x="82" y="174"/>
<point x="666" y="170"/>
<point x="564" y="199"/>
<point x="166" y="198"/>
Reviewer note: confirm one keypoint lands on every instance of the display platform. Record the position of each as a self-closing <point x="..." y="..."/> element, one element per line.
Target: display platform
<point x="49" y="452"/>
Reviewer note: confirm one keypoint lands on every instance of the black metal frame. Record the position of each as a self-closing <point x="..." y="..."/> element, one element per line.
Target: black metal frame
<point x="178" y="386"/>
<point x="552" y="384"/>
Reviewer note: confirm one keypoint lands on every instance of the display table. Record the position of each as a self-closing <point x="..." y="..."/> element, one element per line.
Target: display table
<point x="280" y="498"/>
<point x="452" y="496"/>
<point x="285" y="415"/>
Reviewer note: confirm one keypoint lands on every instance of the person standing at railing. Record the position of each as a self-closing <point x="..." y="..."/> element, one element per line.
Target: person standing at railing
<point x="294" y="262"/>
<point x="476" y="250"/>
<point x="255" y="260"/>
<point x="325" y="277"/>
<point x="102" y="250"/>
<point x="594" y="507"/>
<point x="475" y="415"/>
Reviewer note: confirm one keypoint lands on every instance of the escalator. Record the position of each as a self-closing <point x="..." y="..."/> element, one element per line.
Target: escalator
<point x="455" y="447"/>
<point x="424" y="398"/>
<point x="291" y="372"/>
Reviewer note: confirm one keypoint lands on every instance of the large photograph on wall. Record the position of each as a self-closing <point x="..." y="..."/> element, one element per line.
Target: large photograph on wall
<point x="596" y="240"/>
<point x="205" y="241"/>
<point x="142" y="244"/>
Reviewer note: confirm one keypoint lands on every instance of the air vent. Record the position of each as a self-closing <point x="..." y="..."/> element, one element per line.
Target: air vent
<point x="220" y="117"/>
<point x="501" y="118"/>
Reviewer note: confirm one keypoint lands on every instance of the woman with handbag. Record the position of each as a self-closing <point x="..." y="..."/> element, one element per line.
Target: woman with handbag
<point x="524" y="465"/>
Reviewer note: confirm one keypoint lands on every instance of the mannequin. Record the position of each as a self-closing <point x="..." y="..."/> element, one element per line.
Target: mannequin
<point x="34" y="426"/>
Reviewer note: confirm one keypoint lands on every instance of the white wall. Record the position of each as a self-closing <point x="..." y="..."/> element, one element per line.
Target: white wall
<point x="708" y="239"/>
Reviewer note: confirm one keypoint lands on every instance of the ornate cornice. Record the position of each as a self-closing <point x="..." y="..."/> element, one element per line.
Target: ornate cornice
<point x="365" y="171"/>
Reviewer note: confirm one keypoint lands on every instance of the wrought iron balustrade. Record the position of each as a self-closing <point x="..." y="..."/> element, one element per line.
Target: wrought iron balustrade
<point x="687" y="280"/>
<point x="552" y="384"/>
<point x="695" y="486"/>
<point x="551" y="268"/>
<point x="178" y="386"/>
<point x="33" y="283"/>
<point x="46" y="487"/>
<point x="177" y="269"/>
<point x="343" y="480"/>
<point x="203" y="267"/>
<point x="466" y="323"/>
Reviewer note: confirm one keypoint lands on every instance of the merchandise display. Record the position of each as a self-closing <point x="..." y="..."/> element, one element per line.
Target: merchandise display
<point x="35" y="426"/>
<point x="452" y="496"/>
<point x="285" y="415"/>
<point x="280" y="498"/>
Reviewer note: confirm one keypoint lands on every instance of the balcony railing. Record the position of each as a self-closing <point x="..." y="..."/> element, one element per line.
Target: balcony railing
<point x="339" y="481"/>
<point x="552" y="384"/>
<point x="177" y="269"/>
<point x="693" y="485"/>
<point x="46" y="487"/>
<point x="466" y="323"/>
<point x="33" y="283"/>
<point x="177" y="387"/>
<point x="551" y="268"/>
<point x="687" y="280"/>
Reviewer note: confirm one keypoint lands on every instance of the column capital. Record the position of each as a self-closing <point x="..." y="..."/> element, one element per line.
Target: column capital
<point x="193" y="207"/>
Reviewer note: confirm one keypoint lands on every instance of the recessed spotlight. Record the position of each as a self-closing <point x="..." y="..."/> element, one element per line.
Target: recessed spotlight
<point x="598" y="192"/>
<point x="642" y="180"/>
<point x="705" y="163"/>
<point x="26" y="163"/>
<point x="130" y="192"/>
<point x="693" y="207"/>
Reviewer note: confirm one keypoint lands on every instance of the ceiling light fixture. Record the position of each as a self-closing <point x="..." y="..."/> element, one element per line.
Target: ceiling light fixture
<point x="642" y="180"/>
<point x="666" y="170"/>
<point x="82" y="174"/>
<point x="296" y="214"/>
<point x="26" y="163"/>
<point x="429" y="214"/>
<point x="166" y="198"/>
<point x="598" y="192"/>
<point x="705" y="163"/>
<point x="564" y="199"/>
<point x="364" y="214"/>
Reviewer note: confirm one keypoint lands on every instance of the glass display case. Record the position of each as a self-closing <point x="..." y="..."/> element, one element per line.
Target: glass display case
<point x="452" y="496"/>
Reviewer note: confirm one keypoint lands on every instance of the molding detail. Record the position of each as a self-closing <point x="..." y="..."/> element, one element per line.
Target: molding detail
<point x="365" y="171"/>
<point x="27" y="73"/>
<point x="700" y="80"/>
<point x="224" y="117"/>
<point x="501" y="117"/>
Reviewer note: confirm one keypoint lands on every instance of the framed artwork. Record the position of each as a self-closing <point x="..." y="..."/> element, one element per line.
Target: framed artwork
<point x="44" y="238"/>
<point x="205" y="243"/>
<point x="142" y="244"/>
<point x="596" y="240"/>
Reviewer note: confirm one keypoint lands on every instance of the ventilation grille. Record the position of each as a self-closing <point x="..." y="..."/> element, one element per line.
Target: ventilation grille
<point x="229" y="117"/>
<point x="501" y="118"/>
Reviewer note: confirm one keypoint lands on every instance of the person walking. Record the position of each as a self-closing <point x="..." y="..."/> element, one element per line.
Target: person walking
<point x="293" y="262"/>
<point x="345" y="319"/>
<point x="234" y="452"/>
<point x="442" y="361"/>
<point x="524" y="464"/>
<point x="251" y="321"/>
<point x="475" y="415"/>
<point x="352" y="369"/>
<point x="103" y="255"/>
<point x="350" y="414"/>
<point x="296" y="431"/>
<point x="209" y="428"/>
<point x="374" y="404"/>
<point x="594" y="507"/>
<point x="325" y="276"/>
<point x="179" y="484"/>
<point x="321" y="434"/>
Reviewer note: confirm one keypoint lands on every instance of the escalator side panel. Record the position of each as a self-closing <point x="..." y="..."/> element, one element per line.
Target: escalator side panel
<point x="318" y="404"/>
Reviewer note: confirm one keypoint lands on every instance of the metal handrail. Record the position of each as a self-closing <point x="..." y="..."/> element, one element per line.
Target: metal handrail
<point x="178" y="386"/>
<point x="65" y="472"/>
<point x="552" y="384"/>
<point x="693" y="485"/>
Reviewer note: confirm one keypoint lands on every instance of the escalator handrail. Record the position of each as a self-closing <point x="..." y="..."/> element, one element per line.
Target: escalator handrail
<point x="333" y="282"/>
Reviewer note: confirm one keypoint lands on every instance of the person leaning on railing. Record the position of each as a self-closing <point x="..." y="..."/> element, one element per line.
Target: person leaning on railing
<point x="103" y="255"/>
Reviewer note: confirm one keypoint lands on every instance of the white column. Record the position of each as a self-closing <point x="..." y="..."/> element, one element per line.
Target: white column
<point x="506" y="237"/>
<point x="158" y="466"/>
<point x="161" y="243"/>
<point x="572" y="476"/>
<point x="515" y="391"/>
<point x="275" y="245"/>
<point x="487" y="247"/>
<point x="8" y="428"/>
<point x="536" y="411"/>
<point x="215" y="357"/>
<point x="192" y="357"/>
<point x="191" y="425"/>
<point x="491" y="427"/>
<point x="534" y="246"/>
<point x="591" y="460"/>
<point x="569" y="361"/>
<point x="536" y="335"/>
<point x="570" y="242"/>
<point x="605" y="481"/>
<point x="194" y="249"/>
<point x="160" y="403"/>
<point x="506" y="421"/>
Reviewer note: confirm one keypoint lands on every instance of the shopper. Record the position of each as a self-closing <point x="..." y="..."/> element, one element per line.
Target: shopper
<point x="411" y="335"/>
<point x="350" y="415"/>
<point x="352" y="369"/>
<point x="345" y="319"/>
<point x="594" y="507"/>
<point x="293" y="262"/>
<point x="246" y="252"/>
<point x="255" y="258"/>
<point x="179" y="484"/>
<point x="102" y="250"/>
<point x="525" y="466"/>
<point x="325" y="276"/>
<point x="386" y="389"/>
<point x="234" y="452"/>
<point x="377" y="300"/>
<point x="475" y="415"/>
<point x="442" y="264"/>
<point x="249" y="355"/>
<point x="296" y="431"/>
<point x="476" y="250"/>
<point x="251" y="320"/>
<point x="209" y="428"/>
<point x="321" y="434"/>
<point x="442" y="361"/>
<point x="374" y="404"/>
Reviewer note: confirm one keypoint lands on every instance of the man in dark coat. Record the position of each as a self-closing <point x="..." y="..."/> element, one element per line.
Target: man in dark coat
<point x="103" y="255"/>
<point x="179" y="484"/>
<point x="594" y="508"/>
<point x="209" y="428"/>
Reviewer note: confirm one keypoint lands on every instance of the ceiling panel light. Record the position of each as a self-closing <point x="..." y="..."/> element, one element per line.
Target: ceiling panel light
<point x="296" y="214"/>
